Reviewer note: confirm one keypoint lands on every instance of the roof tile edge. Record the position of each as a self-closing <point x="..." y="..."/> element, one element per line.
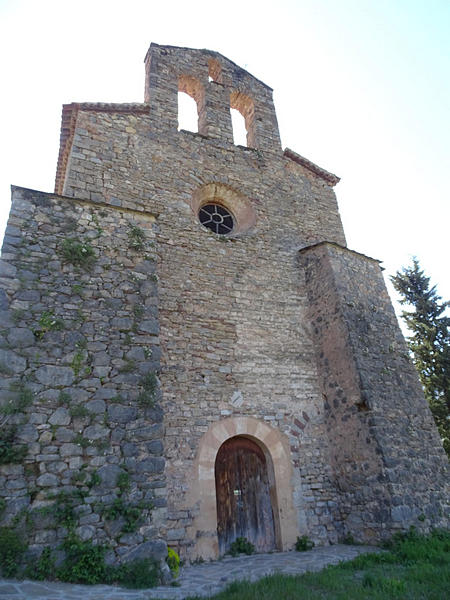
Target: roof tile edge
<point x="304" y="162"/>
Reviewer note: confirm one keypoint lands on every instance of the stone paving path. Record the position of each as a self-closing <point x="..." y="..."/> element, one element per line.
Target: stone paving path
<point x="202" y="580"/>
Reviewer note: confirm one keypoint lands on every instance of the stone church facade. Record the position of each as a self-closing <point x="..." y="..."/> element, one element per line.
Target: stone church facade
<point x="186" y="334"/>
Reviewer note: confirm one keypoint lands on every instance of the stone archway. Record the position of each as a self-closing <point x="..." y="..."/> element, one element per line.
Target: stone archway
<point x="202" y="493"/>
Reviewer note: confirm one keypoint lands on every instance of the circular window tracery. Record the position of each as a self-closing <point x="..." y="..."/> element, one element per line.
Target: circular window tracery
<point x="216" y="218"/>
<point x="238" y="208"/>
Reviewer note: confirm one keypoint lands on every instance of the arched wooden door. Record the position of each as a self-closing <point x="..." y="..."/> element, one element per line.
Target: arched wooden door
<point x="244" y="508"/>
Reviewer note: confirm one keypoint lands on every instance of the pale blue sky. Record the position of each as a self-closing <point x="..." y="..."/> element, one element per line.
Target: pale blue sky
<point x="361" y="87"/>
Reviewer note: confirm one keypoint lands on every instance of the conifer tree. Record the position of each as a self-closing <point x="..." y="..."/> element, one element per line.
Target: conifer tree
<point x="429" y="341"/>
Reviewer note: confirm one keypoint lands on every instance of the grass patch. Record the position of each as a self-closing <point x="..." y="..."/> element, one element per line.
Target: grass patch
<point x="80" y="254"/>
<point x="136" y="237"/>
<point x="129" y="366"/>
<point x="48" y="322"/>
<point x="241" y="545"/>
<point x="414" y="568"/>
<point x="84" y="562"/>
<point x="303" y="544"/>
<point x="23" y="398"/>
<point x="173" y="560"/>
<point x="147" y="397"/>
<point x="12" y="548"/>
<point x="131" y="513"/>
<point x="5" y="370"/>
<point x="77" y="362"/>
<point x="43" y="568"/>
<point x="79" y="411"/>
<point x="64" y="398"/>
<point x="10" y="451"/>
<point x="80" y="440"/>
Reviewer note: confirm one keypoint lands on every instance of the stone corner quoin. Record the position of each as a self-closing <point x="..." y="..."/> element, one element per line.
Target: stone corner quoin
<point x="185" y="333"/>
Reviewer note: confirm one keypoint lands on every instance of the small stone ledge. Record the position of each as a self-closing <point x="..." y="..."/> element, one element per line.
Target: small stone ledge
<point x="28" y="193"/>
<point x="336" y="245"/>
<point x="228" y="147"/>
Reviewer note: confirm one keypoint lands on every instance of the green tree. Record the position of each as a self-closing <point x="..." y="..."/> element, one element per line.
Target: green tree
<point x="429" y="341"/>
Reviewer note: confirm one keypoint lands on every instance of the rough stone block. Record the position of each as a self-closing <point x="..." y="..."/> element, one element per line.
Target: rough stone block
<point x="151" y="465"/>
<point x="61" y="416"/>
<point x="69" y="450"/>
<point x="55" y="376"/>
<point x="156" y="550"/>
<point x="121" y="414"/>
<point x="109" y="475"/>
<point x="21" y="337"/>
<point x="12" y="361"/>
<point x="96" y="432"/>
<point x="27" y="433"/>
<point x="47" y="480"/>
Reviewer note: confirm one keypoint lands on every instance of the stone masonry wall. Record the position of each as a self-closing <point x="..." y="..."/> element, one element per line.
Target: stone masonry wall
<point x="233" y="335"/>
<point x="387" y="458"/>
<point x="237" y="326"/>
<point x="79" y="354"/>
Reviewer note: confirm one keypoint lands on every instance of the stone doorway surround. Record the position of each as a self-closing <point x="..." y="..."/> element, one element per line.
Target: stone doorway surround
<point x="202" y="493"/>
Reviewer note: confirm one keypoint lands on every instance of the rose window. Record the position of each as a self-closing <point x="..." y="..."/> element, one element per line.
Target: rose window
<point x="217" y="218"/>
